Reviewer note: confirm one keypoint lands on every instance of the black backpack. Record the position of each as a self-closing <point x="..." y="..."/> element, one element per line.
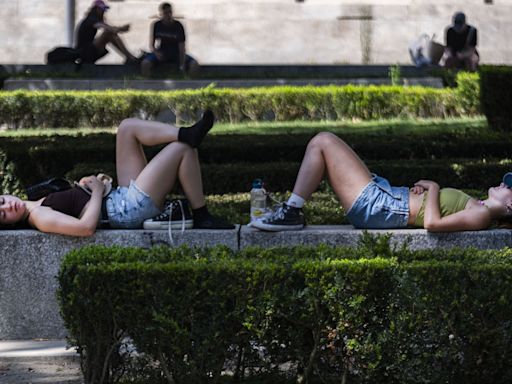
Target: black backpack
<point x="44" y="188"/>
<point x="60" y="55"/>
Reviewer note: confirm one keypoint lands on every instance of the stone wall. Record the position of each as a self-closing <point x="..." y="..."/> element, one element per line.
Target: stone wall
<point x="268" y="31"/>
<point x="30" y="261"/>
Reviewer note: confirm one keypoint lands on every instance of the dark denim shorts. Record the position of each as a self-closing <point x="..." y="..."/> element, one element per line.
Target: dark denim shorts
<point x="379" y="206"/>
<point x="128" y="207"/>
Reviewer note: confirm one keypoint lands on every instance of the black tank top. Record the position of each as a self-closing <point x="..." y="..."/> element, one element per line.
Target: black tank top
<point x="71" y="202"/>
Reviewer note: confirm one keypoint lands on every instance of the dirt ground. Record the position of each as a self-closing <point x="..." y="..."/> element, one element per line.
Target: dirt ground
<point x="40" y="371"/>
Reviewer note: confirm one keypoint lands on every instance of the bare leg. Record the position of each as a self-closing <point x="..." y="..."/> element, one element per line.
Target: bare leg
<point x="131" y="135"/>
<point x="159" y="176"/>
<point x="326" y="153"/>
<point x="111" y="37"/>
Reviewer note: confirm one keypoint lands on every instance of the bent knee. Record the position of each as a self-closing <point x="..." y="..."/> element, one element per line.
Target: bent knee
<point x="324" y="139"/>
<point x="127" y="126"/>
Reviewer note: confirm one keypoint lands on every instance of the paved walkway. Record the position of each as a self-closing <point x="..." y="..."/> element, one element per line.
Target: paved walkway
<point x="38" y="361"/>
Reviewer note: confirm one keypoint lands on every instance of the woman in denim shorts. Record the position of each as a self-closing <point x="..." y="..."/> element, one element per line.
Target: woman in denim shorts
<point x="142" y="188"/>
<point x="371" y="202"/>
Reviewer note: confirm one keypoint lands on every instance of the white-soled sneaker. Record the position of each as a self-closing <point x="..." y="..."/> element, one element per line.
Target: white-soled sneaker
<point x="176" y="215"/>
<point x="283" y="218"/>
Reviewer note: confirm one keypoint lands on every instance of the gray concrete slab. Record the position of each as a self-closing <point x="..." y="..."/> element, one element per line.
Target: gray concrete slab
<point x="346" y="235"/>
<point x="35" y="349"/>
<point x="39" y="361"/>
<point x="30" y="260"/>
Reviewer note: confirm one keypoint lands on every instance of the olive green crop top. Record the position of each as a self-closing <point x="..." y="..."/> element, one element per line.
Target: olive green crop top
<point x="450" y="201"/>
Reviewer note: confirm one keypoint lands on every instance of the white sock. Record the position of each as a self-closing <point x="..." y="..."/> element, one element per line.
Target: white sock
<point x="295" y="201"/>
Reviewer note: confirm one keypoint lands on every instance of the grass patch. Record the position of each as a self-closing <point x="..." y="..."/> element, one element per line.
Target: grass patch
<point x="388" y="127"/>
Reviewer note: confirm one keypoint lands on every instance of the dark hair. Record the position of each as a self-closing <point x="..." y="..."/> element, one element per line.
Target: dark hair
<point x="164" y="6"/>
<point x="504" y="222"/>
<point x="93" y="11"/>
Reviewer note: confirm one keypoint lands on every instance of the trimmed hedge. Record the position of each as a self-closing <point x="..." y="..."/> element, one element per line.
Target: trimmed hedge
<point x="102" y="109"/>
<point x="229" y="164"/>
<point x="495" y="97"/>
<point x="373" y="314"/>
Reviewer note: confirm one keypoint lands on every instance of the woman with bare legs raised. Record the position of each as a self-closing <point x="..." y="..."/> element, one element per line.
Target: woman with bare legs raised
<point x="142" y="188"/>
<point x="371" y="202"/>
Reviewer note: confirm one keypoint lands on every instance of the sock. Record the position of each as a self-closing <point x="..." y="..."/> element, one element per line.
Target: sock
<point x="295" y="201"/>
<point x="200" y="213"/>
<point x="195" y="134"/>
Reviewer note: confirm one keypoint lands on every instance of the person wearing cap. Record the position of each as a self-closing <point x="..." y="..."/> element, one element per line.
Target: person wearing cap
<point x="93" y="48"/>
<point x="461" y="41"/>
<point x="167" y="44"/>
<point x="370" y="202"/>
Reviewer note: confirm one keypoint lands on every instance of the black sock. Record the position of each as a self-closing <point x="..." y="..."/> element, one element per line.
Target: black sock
<point x="195" y="134"/>
<point x="200" y="213"/>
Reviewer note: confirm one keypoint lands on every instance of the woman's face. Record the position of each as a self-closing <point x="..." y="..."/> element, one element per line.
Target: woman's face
<point x="12" y="209"/>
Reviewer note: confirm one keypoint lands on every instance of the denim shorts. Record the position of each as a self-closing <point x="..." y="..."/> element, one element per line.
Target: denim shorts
<point x="379" y="205"/>
<point x="128" y="207"/>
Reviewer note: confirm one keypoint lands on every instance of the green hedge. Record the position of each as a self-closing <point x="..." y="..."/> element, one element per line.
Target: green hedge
<point x="495" y="97"/>
<point x="101" y="109"/>
<point x="373" y="314"/>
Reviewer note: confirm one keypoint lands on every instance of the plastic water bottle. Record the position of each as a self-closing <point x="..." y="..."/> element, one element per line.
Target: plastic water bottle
<point x="258" y="200"/>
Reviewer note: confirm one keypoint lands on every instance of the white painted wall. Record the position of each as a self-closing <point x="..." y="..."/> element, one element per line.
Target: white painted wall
<point x="268" y="31"/>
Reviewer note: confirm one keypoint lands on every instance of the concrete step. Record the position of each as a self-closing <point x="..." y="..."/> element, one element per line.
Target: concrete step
<point x="38" y="361"/>
<point x="218" y="71"/>
<point x="160" y="85"/>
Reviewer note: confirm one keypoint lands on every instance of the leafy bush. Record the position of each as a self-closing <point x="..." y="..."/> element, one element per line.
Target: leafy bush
<point x="101" y="109"/>
<point x="495" y="98"/>
<point x="372" y="314"/>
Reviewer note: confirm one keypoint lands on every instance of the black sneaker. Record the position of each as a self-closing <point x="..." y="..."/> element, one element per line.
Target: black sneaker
<point x="283" y="218"/>
<point x="178" y="218"/>
<point x="212" y="222"/>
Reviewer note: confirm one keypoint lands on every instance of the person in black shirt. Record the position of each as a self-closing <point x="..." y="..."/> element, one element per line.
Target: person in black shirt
<point x="461" y="40"/>
<point x="93" y="48"/>
<point x="170" y="36"/>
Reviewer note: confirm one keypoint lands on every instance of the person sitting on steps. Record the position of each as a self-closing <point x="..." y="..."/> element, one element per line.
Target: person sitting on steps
<point x="142" y="185"/>
<point x="92" y="48"/>
<point x="371" y="202"/>
<point x="167" y="44"/>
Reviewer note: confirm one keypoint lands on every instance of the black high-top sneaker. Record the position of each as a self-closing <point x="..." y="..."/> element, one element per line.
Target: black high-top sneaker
<point x="283" y="218"/>
<point x="176" y="215"/>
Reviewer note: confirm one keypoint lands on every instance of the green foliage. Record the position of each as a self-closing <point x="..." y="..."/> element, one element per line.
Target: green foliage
<point x="495" y="97"/>
<point x="372" y="314"/>
<point x="103" y="109"/>
<point x="394" y="74"/>
<point x="468" y="91"/>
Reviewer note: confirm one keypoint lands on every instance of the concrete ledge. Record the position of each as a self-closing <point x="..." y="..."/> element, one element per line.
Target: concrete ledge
<point x="218" y="71"/>
<point x="346" y="235"/>
<point x="30" y="260"/>
<point x="159" y="85"/>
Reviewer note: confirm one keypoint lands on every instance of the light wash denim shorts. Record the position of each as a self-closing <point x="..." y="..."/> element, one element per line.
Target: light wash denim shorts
<point x="128" y="207"/>
<point x="379" y="205"/>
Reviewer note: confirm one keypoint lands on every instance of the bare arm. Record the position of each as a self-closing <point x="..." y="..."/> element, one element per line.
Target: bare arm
<point x="152" y="39"/>
<point x="47" y="220"/>
<point x="111" y="28"/>
<point x="472" y="219"/>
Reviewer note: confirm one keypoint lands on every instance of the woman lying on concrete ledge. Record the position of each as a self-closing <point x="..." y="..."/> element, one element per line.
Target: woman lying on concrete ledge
<point x="370" y="202"/>
<point x="142" y="186"/>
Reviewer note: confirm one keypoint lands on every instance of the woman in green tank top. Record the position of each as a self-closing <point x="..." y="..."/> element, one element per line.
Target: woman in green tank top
<point x="370" y="202"/>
